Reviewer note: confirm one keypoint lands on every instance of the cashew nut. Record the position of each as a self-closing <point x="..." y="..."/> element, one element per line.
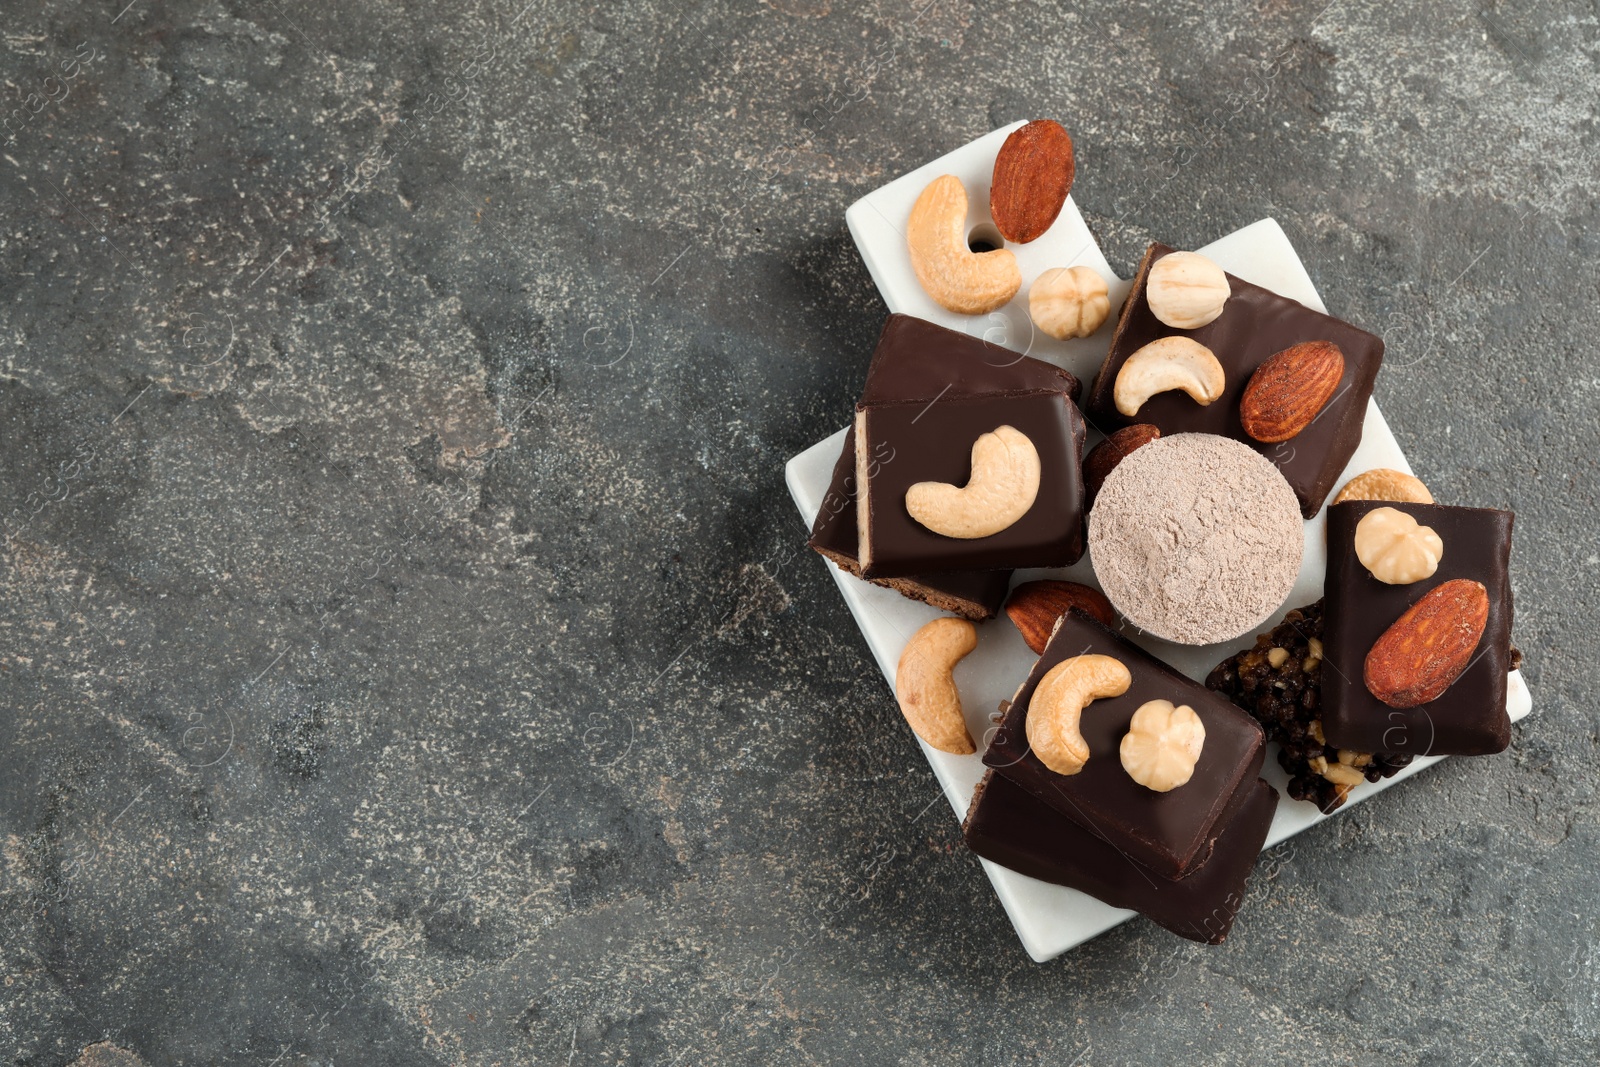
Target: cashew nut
<point x="959" y="279"/>
<point x="1185" y="290"/>
<point x="1385" y="483"/>
<point x="1162" y="745"/>
<point x="1168" y="363"/>
<point x="1001" y="489"/>
<point x="1058" y="703"/>
<point x="1069" y="302"/>
<point x="1396" y="548"/>
<point x="926" y="689"/>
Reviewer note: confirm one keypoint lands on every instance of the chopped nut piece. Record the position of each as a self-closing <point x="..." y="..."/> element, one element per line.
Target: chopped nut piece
<point x="1340" y="774"/>
<point x="1278" y="657"/>
<point x="1287" y="702"/>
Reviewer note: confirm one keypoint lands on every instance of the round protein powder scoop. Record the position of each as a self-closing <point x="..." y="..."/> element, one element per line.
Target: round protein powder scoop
<point x="1196" y="538"/>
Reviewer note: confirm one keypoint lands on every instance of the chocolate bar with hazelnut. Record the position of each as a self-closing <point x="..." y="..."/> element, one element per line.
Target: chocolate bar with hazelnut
<point x="1254" y="325"/>
<point x="1171" y="833"/>
<point x="1469" y="718"/>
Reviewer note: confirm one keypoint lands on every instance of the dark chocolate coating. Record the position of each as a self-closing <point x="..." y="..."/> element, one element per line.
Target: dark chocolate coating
<point x="974" y="594"/>
<point x="1469" y="718"/>
<point x="918" y="360"/>
<point x="1172" y="832"/>
<point x="1008" y="826"/>
<point x="1255" y="323"/>
<point x="919" y="441"/>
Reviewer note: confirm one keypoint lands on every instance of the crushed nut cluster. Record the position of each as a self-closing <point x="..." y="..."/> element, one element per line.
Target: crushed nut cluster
<point x="1279" y="681"/>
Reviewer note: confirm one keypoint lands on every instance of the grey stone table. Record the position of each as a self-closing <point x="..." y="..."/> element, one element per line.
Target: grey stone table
<point x="408" y="651"/>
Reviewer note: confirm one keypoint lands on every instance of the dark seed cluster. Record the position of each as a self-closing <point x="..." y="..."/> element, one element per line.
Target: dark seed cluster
<point x="1279" y="682"/>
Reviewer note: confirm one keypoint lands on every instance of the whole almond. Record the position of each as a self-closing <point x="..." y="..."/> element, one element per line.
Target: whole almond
<point x="1104" y="457"/>
<point x="1034" y="608"/>
<point x="1289" y="390"/>
<point x="1032" y="177"/>
<point x="1428" y="647"/>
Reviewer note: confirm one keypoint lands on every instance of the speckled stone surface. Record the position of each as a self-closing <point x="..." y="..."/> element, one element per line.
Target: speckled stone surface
<point x="408" y="650"/>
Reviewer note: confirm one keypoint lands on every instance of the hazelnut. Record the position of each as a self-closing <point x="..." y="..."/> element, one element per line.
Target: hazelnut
<point x="1395" y="548"/>
<point x="1162" y="745"/>
<point x="1069" y="302"/>
<point x="1186" y="290"/>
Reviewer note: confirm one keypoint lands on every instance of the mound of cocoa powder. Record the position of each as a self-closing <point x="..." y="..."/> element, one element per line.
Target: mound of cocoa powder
<point x="1196" y="538"/>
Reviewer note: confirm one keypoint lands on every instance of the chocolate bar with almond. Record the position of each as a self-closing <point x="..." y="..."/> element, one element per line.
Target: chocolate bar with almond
<point x="1469" y="717"/>
<point x="1255" y="324"/>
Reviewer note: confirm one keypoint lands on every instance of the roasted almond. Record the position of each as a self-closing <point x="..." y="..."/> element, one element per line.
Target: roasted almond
<point x="1104" y="457"/>
<point x="1428" y="647"/>
<point x="1290" y="389"/>
<point x="1034" y="608"/>
<point x="1032" y="177"/>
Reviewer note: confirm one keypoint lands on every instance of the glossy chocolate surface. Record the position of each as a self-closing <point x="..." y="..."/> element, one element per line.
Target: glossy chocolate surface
<point x="1470" y="718"/>
<point x="914" y="441"/>
<point x="1009" y="826"/>
<point x="1255" y="323"/>
<point x="918" y="360"/>
<point x="834" y="535"/>
<point x="1172" y="832"/>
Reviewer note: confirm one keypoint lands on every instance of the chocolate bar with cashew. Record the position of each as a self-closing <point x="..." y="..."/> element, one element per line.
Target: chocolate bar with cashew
<point x="968" y="483"/>
<point x="1064" y="734"/>
<point x="1194" y="353"/>
<point x="915" y="359"/>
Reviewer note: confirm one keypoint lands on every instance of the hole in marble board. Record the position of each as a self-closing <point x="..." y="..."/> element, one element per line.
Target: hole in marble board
<point x="985" y="238"/>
